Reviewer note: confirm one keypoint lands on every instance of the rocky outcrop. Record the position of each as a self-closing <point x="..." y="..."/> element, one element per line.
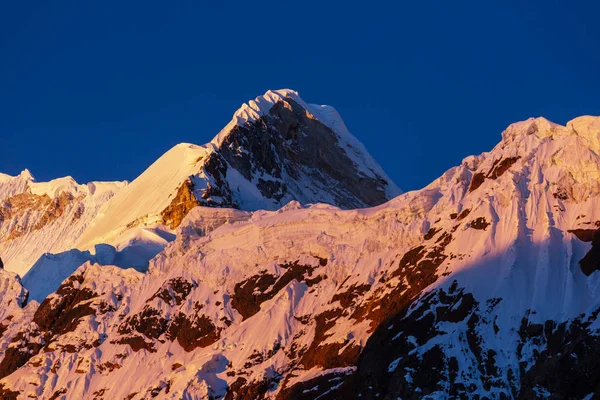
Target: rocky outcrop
<point x="591" y="261"/>
<point x="249" y="294"/>
<point x="288" y="148"/>
<point x="181" y="205"/>
<point x="499" y="167"/>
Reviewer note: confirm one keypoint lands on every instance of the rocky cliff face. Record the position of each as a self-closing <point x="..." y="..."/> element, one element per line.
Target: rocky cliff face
<point x="290" y="154"/>
<point x="469" y="288"/>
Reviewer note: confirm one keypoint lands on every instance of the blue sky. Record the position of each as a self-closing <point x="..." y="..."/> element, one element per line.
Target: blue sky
<point x="99" y="90"/>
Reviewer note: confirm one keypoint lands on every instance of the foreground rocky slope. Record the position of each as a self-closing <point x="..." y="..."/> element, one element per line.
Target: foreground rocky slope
<point x="468" y="288"/>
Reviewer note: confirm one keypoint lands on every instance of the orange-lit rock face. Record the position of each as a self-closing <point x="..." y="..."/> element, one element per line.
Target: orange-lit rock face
<point x="29" y="212"/>
<point x="181" y="205"/>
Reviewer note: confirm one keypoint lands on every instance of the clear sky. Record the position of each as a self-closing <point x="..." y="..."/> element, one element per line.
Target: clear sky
<point x="99" y="89"/>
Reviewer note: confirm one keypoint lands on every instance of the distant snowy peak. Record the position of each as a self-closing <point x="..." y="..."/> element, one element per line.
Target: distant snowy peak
<point x="40" y="217"/>
<point x="291" y="150"/>
<point x="11" y="185"/>
<point x="263" y="106"/>
<point x="276" y="149"/>
<point x="25" y="182"/>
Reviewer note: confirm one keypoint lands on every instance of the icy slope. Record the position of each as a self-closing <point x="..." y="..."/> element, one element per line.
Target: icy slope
<point x="470" y="287"/>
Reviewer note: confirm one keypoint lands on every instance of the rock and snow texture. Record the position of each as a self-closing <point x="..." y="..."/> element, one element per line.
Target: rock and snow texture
<point x="276" y="149"/>
<point x="45" y="217"/>
<point x="468" y="288"/>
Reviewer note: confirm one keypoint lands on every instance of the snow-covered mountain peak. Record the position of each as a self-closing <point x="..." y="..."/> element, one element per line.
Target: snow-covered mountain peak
<point x="56" y="186"/>
<point x="587" y="127"/>
<point x="142" y="201"/>
<point x="24" y="175"/>
<point x="252" y="110"/>
<point x="276" y="149"/>
<point x="538" y="144"/>
<point x="42" y="217"/>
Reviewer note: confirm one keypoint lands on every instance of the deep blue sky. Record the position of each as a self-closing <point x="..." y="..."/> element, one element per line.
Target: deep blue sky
<point x="99" y="90"/>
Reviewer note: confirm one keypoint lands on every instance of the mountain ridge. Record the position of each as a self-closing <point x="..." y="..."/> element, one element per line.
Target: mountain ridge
<point x="470" y="287"/>
<point x="273" y="151"/>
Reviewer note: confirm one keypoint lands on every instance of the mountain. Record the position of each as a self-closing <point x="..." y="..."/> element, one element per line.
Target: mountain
<point x="40" y="217"/>
<point x="276" y="149"/>
<point x="481" y="285"/>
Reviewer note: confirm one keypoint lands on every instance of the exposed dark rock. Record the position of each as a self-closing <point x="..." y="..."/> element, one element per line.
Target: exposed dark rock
<point x="7" y="394"/>
<point x="383" y="365"/>
<point x="3" y="328"/>
<point x="62" y="313"/>
<point x="585" y="235"/>
<point x="17" y="356"/>
<point x="477" y="181"/>
<point x="148" y="322"/>
<point x="431" y="233"/>
<point x="499" y="167"/>
<point x="155" y="391"/>
<point x="347" y="298"/>
<point x="216" y="168"/>
<point x="136" y="342"/>
<point x="193" y="332"/>
<point x="176" y="366"/>
<point x="591" y="261"/>
<point x="479" y="223"/>
<point x="98" y="394"/>
<point x="252" y="292"/>
<point x="290" y="141"/>
<point x="464" y="214"/>
<point x="58" y="393"/>
<point x="410" y="258"/>
<point x="174" y="291"/>
<point x="561" y="194"/>
<point x="108" y="367"/>
<point x="568" y="365"/>
<point x="376" y="307"/>
<point x="328" y="355"/>
<point x="241" y="389"/>
<point x="322" y="387"/>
